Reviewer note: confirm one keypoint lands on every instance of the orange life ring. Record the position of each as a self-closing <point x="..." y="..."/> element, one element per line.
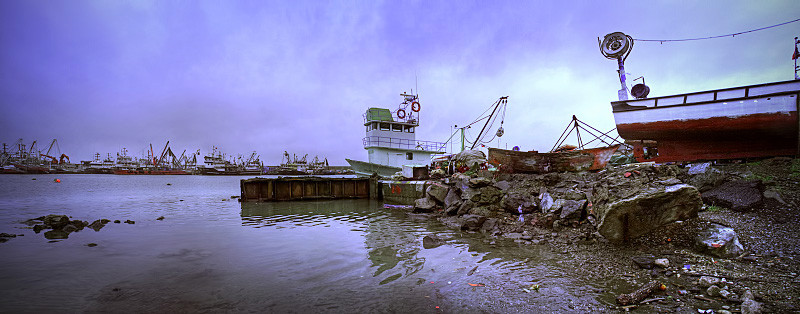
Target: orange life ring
<point x="416" y="106"/>
<point x="401" y="113"/>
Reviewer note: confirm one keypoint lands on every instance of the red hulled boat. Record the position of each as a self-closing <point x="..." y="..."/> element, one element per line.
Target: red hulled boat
<point x="741" y="122"/>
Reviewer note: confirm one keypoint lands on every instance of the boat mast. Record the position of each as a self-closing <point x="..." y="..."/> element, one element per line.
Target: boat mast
<point x="618" y="46"/>
<point x="502" y="100"/>
<point x="795" y="57"/>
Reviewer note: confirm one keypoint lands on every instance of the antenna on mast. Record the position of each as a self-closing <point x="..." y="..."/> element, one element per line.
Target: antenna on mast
<point x="794" y="57"/>
<point x="618" y="46"/>
<point x="416" y="84"/>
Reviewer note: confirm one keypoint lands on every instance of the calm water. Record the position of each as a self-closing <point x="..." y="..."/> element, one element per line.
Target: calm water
<point x="215" y="255"/>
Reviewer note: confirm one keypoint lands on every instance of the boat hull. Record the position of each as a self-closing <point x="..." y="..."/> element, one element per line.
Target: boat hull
<point x="761" y="123"/>
<point x="534" y="162"/>
<point x="362" y="168"/>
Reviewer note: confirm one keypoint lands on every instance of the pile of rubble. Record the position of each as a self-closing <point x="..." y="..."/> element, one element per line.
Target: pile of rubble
<point x="616" y="206"/>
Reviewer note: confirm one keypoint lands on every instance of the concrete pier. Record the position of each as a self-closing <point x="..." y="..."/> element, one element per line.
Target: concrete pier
<point x="304" y="188"/>
<point x="402" y="192"/>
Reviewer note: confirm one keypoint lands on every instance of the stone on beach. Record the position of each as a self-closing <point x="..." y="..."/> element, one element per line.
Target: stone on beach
<point x="720" y="241"/>
<point x="627" y="218"/>
<point x="737" y="195"/>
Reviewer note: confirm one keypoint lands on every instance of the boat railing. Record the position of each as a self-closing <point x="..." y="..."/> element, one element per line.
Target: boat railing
<point x="734" y="93"/>
<point x="391" y="142"/>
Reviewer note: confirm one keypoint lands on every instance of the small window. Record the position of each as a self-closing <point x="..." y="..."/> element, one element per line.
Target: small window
<point x="369" y="127"/>
<point x="385" y="126"/>
<point x="410" y="129"/>
<point x="374" y="125"/>
<point x="397" y="128"/>
<point x="409" y="156"/>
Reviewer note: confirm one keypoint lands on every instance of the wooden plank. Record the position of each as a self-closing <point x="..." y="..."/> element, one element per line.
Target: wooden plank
<point x="336" y="188"/>
<point x="282" y="191"/>
<point x="266" y="191"/>
<point x="310" y="189"/>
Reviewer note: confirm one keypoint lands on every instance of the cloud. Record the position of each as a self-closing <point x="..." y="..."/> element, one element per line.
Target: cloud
<point x="297" y="76"/>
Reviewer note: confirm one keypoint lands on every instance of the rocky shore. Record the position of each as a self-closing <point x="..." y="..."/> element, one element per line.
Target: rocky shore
<point x="705" y="237"/>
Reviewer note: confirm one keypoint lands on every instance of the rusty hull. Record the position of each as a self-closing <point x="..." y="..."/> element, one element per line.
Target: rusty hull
<point x="535" y="162"/>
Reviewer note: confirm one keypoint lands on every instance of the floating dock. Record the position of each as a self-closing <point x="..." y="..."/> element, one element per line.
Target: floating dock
<point x="306" y="188"/>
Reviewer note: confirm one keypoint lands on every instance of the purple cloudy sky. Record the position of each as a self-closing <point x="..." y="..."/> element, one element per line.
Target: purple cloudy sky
<point x="270" y="76"/>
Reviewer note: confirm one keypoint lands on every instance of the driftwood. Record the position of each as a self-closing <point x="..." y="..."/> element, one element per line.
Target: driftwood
<point x="638" y="295"/>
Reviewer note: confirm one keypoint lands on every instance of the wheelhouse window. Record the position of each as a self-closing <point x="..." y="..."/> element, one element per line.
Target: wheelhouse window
<point x="384" y="127"/>
<point x="408" y="129"/>
<point x="409" y="156"/>
<point x="397" y="128"/>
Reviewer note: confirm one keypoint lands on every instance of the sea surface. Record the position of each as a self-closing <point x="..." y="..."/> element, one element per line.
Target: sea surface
<point x="213" y="254"/>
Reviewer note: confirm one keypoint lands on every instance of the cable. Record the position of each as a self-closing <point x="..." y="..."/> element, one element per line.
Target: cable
<point x="720" y="36"/>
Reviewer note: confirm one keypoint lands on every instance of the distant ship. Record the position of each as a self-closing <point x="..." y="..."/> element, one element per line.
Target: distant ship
<point x="215" y="164"/>
<point x="294" y="165"/>
<point x="391" y="143"/>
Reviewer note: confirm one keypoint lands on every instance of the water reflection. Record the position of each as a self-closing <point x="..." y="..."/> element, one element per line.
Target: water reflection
<point x="391" y="240"/>
<point x="387" y="248"/>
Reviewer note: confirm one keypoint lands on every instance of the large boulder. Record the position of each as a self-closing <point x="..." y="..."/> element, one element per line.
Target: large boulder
<point x="472" y="222"/>
<point x="720" y="241"/>
<point x="490" y="195"/>
<point x="491" y="225"/>
<point x="479" y="182"/>
<point x="704" y="177"/>
<point x="465" y="207"/>
<point x="572" y="210"/>
<point x="438" y="192"/>
<point x="648" y="209"/>
<point x="97" y="225"/>
<point x="470" y="194"/>
<point x="512" y="202"/>
<point x="432" y="241"/>
<point x="452" y="202"/>
<point x="503" y="185"/>
<point x="55" y="221"/>
<point x="423" y="205"/>
<point x="739" y="195"/>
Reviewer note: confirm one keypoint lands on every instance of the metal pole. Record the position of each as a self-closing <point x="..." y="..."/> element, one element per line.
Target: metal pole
<point x="795" y="59"/>
<point x="577" y="132"/>
<point x="487" y="121"/>
<point x="462" y="139"/>
<point x="623" y="92"/>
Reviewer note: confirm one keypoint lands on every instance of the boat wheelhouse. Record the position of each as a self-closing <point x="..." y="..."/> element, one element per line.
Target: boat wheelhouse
<point x="391" y="143"/>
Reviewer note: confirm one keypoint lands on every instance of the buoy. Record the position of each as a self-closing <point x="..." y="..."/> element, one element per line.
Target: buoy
<point x="57" y="180"/>
<point x="415" y="106"/>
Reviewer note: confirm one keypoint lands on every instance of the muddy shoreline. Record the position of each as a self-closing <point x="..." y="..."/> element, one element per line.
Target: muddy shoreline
<point x="763" y="278"/>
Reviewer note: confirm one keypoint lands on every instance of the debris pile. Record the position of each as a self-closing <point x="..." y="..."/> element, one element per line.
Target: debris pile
<point x="689" y="219"/>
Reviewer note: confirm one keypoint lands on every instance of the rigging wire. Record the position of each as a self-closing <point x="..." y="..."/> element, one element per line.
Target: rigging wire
<point x="719" y="36"/>
<point x="491" y="124"/>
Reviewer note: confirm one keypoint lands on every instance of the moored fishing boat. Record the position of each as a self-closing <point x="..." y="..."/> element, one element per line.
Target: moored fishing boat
<point x="391" y="143"/>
